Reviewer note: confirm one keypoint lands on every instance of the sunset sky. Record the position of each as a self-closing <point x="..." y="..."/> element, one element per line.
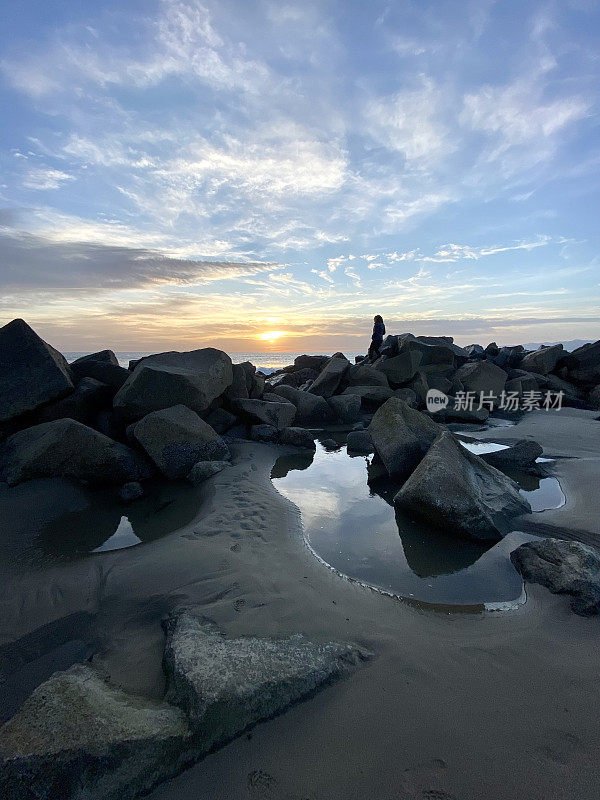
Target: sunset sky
<point x="264" y="175"/>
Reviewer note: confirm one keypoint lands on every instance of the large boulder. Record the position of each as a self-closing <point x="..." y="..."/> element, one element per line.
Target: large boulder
<point x="359" y="443"/>
<point x="311" y="409"/>
<point x="31" y="371"/>
<point x="520" y="456"/>
<point x="194" y="379"/>
<point x="543" y="360"/>
<point x="444" y="341"/>
<point x="102" y="366"/>
<point x="371" y="397"/>
<point x="482" y="377"/>
<point x="177" y="438"/>
<point x="359" y="375"/>
<point x="346" y="407"/>
<point x="330" y="377"/>
<point x="456" y="490"/>
<point x="84" y="404"/>
<point x="221" y="420"/>
<point x="295" y="379"/>
<point x="280" y="415"/>
<point x="509" y="357"/>
<point x="563" y="567"/>
<point x="66" y="448"/>
<point x="401" y="368"/>
<point x="474" y="351"/>
<point x="204" y="470"/>
<point x="587" y="370"/>
<point x="401" y="436"/>
<point x="77" y="737"/>
<point x="225" y="685"/>
<point x="297" y="437"/>
<point x="310" y="362"/>
<point x="239" y="384"/>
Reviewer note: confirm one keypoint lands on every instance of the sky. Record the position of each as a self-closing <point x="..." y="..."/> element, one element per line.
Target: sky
<point x="269" y="175"/>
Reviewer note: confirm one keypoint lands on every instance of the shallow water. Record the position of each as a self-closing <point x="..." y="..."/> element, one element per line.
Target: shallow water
<point x="350" y="524"/>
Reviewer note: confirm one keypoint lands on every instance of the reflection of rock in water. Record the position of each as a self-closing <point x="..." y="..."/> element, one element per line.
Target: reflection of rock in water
<point x="284" y="464"/>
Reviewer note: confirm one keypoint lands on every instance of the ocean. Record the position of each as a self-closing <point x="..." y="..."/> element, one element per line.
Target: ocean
<point x="265" y="362"/>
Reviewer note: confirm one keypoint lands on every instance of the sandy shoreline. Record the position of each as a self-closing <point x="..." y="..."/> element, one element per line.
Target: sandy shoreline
<point x="496" y="705"/>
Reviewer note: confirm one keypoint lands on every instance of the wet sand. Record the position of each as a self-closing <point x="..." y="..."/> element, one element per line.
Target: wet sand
<point x="498" y="705"/>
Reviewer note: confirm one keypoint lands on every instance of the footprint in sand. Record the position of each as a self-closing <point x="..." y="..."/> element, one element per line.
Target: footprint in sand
<point x="235" y="548"/>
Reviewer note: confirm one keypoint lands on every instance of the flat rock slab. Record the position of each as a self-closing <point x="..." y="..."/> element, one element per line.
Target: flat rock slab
<point x="401" y="436"/>
<point x="76" y="737"/>
<point x="225" y="685"/>
<point x="564" y="568"/>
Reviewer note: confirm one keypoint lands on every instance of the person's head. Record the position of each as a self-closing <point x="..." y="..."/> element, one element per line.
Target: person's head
<point x="377" y="318"/>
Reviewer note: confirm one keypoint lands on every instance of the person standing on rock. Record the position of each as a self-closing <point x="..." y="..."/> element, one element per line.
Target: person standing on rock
<point x="377" y="337"/>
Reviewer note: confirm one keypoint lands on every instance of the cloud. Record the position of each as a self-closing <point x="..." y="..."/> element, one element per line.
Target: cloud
<point x="42" y="179"/>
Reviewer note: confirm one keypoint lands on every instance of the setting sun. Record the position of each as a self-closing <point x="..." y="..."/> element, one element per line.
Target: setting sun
<point x="271" y="336"/>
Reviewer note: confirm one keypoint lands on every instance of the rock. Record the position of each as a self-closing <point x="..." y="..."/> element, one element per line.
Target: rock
<point x="330" y="377"/>
<point x="31" y="372"/>
<point x="77" y="737"/>
<point x="264" y="433"/>
<point x="401" y="436"/>
<point x="315" y="363"/>
<point x="225" y="685"/>
<point x="401" y="368"/>
<point x="295" y="379"/>
<point x="509" y="357"/>
<point x="346" y="407"/>
<point x="239" y="385"/>
<point x="389" y="346"/>
<point x="482" y="376"/>
<point x="475" y="351"/>
<point x="176" y="438"/>
<point x="110" y="425"/>
<point x="453" y="414"/>
<point x="371" y="397"/>
<point x="456" y="490"/>
<point x="311" y="409"/>
<point x="360" y="443"/>
<point x="103" y="367"/>
<point x="258" y="386"/>
<point x="83" y="405"/>
<point x="203" y="470"/>
<point x="330" y="444"/>
<point x="220" y="420"/>
<point x="66" y="448"/>
<point x="280" y="415"/>
<point x="420" y="386"/>
<point x="131" y="491"/>
<point x="271" y="397"/>
<point x="521" y="456"/>
<point x="594" y="397"/>
<point x="564" y="568"/>
<point x="587" y="370"/>
<point x="492" y="350"/>
<point x="297" y="437"/>
<point x="543" y="360"/>
<point x="195" y="379"/>
<point x="408" y="395"/>
<point x="359" y="375"/>
<point x="439" y="383"/>
<point x="444" y="341"/>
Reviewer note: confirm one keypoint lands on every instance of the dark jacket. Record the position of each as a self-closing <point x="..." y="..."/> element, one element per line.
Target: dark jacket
<point x="378" y="332"/>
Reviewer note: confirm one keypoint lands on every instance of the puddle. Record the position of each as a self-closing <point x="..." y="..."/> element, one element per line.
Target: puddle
<point x="123" y="537"/>
<point x="350" y="524"/>
<point x="543" y="494"/>
<point x="479" y="448"/>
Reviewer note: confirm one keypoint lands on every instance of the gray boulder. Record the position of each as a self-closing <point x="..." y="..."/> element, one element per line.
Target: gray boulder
<point x="543" y="360"/>
<point x="315" y="363"/>
<point x="194" y="379"/>
<point x="509" y="357"/>
<point x="456" y="490"/>
<point x="371" y="397"/>
<point x="176" y="438"/>
<point x="258" y="386"/>
<point x="204" y="470"/>
<point x="76" y="738"/>
<point x="297" y="437"/>
<point x="311" y="409"/>
<point x="401" y="436"/>
<point x="521" y="456"/>
<point x="474" y="351"/>
<point x="359" y="443"/>
<point x="264" y="433"/>
<point x="346" y="407"/>
<point x="482" y="376"/>
<point x="587" y="370"/>
<point x="239" y="385"/>
<point x="295" y="379"/>
<point x="103" y="367"/>
<point x="594" y="397"/>
<point x="563" y="567"/>
<point x="221" y="420"/>
<point x="83" y="404"/>
<point x="359" y="375"/>
<point x="66" y="448"/>
<point x="409" y="396"/>
<point x="131" y="491"/>
<point x="31" y="371"/>
<point x="330" y="377"/>
<point x="444" y="341"/>
<point x="401" y="368"/>
<point x="225" y="685"/>
<point x="280" y="415"/>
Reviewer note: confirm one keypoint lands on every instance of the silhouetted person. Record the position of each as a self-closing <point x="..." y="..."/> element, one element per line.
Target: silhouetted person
<point x="377" y="337"/>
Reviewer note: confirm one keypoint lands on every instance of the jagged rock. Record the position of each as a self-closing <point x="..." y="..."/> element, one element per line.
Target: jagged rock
<point x="572" y="395"/>
<point x="311" y="409"/>
<point x="454" y="412"/>
<point x="522" y="455"/>
<point x="176" y="438"/>
<point x="521" y="382"/>
<point x="409" y="396"/>
<point x="271" y="397"/>
<point x="226" y="685"/>
<point x="456" y="490"/>
<point x="66" y="448"/>
<point x="509" y="357"/>
<point x="482" y="376"/>
<point x="475" y="351"/>
<point x="110" y="425"/>
<point x="330" y="377"/>
<point x="264" y="433"/>
<point x="239" y="384"/>
<point x="280" y="415"/>
<point x="76" y="738"/>
<point x="221" y="420"/>
<point x="371" y="397"/>
<point x="131" y="491"/>
<point x="203" y="470"/>
<point x="359" y="443"/>
<point x="440" y="383"/>
<point x="83" y="404"/>
<point x="31" y="371"/>
<point x="492" y="350"/>
<point x="444" y="341"/>
<point x="297" y="437"/>
<point x="258" y="386"/>
<point x="346" y="407"/>
<point x="401" y="436"/>
<point x="420" y="386"/>
<point x="543" y="360"/>
<point x="587" y="370"/>
<point x="563" y="567"/>
<point x="194" y="379"/>
<point x="401" y="368"/>
<point x="102" y="366"/>
<point x="594" y="397"/>
<point x="359" y="375"/>
<point x="310" y="362"/>
<point x="295" y="379"/>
